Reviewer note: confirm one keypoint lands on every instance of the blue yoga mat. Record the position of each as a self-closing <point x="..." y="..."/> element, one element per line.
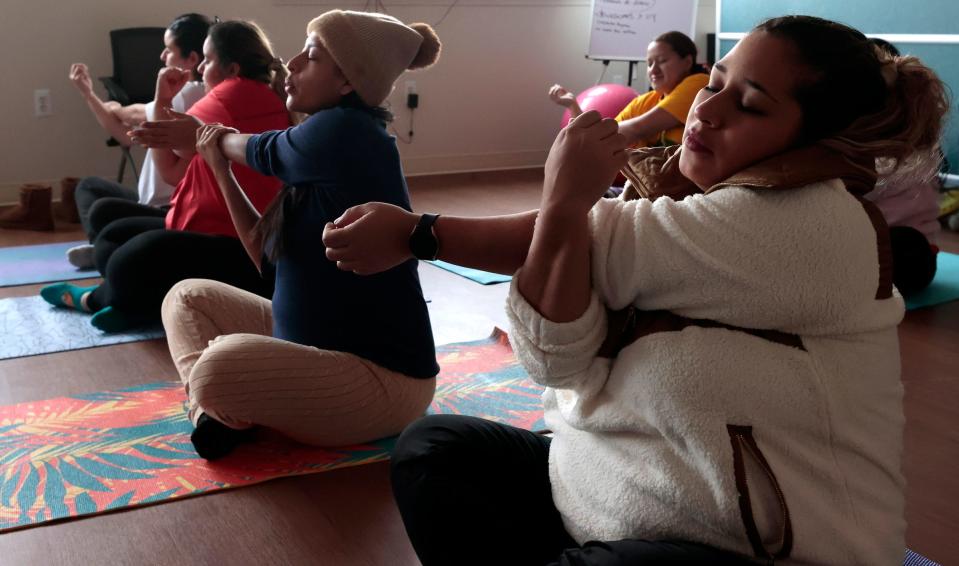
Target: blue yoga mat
<point x="481" y="277"/>
<point x="22" y="265"/>
<point x="944" y="288"/>
<point x="913" y="559"/>
<point x="29" y="326"/>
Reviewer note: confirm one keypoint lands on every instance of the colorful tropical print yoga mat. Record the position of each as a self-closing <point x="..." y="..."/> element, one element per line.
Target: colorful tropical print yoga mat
<point x="86" y="454"/>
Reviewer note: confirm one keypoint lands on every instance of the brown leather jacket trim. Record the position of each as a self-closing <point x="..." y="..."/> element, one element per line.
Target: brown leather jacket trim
<point x="884" y="243"/>
<point x="630" y="324"/>
<point x="804" y="166"/>
<point x="653" y="172"/>
<point x="741" y="438"/>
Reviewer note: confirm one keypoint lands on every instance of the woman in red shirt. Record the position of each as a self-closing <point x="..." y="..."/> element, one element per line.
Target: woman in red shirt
<point x="142" y="257"/>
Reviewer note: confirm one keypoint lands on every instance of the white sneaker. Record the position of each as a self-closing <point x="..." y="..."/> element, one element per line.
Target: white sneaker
<point x="81" y="256"/>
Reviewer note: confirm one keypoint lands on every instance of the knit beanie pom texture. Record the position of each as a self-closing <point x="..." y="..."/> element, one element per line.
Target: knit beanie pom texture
<point x="429" y="51"/>
<point x="372" y="49"/>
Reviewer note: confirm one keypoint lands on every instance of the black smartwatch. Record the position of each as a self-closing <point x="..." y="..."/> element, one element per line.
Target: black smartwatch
<point x="423" y="242"/>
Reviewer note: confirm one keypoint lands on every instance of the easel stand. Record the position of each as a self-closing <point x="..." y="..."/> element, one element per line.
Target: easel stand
<point x="629" y="76"/>
<point x="631" y="69"/>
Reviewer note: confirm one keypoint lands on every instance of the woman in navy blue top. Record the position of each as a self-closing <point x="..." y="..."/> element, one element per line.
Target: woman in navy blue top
<point x="336" y="358"/>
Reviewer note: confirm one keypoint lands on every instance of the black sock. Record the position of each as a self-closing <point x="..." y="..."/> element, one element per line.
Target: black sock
<point x="213" y="439"/>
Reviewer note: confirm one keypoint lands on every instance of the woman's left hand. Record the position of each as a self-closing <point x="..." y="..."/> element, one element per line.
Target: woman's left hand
<point x="179" y="133"/>
<point x="582" y="163"/>
<point x="561" y="96"/>
<point x="208" y="145"/>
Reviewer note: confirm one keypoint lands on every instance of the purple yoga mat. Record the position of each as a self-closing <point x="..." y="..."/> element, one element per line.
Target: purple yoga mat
<point x="23" y="265"/>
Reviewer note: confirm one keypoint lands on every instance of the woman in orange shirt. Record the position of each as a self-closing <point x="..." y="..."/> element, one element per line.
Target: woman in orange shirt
<point x="657" y="117"/>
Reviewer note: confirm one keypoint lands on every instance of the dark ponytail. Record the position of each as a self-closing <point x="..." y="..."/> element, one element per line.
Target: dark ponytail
<point x="270" y="226"/>
<point x="858" y="99"/>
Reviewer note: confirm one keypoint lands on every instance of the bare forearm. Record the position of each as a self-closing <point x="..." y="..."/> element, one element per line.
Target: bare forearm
<point x="648" y="125"/>
<point x="107" y="119"/>
<point x="244" y="214"/>
<point x="233" y="147"/>
<point x="496" y="243"/>
<point x="555" y="278"/>
<point x="171" y="166"/>
<point x="132" y="115"/>
<point x="574" y="110"/>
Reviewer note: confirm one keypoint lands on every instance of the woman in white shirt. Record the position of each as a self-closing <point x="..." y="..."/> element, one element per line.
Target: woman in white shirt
<point x="100" y="201"/>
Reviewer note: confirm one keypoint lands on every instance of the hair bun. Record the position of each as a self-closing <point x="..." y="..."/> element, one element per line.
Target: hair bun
<point x="429" y="51"/>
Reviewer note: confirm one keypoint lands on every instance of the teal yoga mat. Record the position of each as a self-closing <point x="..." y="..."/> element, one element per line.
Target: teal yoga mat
<point x="481" y="277"/>
<point x="944" y="288"/>
<point x="22" y="265"/>
<point x="29" y="327"/>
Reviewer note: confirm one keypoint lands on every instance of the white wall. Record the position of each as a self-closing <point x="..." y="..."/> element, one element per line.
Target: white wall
<point x="482" y="107"/>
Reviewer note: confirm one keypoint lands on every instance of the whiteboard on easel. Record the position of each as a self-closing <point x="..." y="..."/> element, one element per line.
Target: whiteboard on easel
<point x="621" y="30"/>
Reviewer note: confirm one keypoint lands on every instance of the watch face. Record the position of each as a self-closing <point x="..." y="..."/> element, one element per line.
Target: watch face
<point x="423" y="244"/>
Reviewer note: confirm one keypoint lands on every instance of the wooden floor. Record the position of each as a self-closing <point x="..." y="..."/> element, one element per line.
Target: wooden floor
<point x="347" y="517"/>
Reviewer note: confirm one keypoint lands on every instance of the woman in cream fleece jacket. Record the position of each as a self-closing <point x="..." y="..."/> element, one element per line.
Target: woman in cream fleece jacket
<point x="646" y="443"/>
<point x="720" y="354"/>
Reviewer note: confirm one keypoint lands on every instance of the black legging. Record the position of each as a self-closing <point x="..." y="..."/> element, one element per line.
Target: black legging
<point x="107" y="210"/>
<point x="141" y="260"/>
<point x="92" y="189"/>
<point x="472" y="491"/>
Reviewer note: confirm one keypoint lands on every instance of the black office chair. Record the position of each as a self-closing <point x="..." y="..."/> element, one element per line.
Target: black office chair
<point x="136" y="62"/>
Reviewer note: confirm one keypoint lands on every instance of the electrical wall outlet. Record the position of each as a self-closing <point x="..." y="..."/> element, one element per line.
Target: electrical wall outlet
<point x="42" y="105"/>
<point x="410" y="87"/>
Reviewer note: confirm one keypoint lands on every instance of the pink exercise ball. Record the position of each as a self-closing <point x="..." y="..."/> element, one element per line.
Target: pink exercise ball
<point x="608" y="99"/>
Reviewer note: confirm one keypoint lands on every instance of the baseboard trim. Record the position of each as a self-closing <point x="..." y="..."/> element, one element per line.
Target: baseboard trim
<point x="468" y="163"/>
<point x="412" y="167"/>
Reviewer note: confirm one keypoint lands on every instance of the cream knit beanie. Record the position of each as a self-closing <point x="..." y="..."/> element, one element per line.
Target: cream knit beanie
<point x="373" y="49"/>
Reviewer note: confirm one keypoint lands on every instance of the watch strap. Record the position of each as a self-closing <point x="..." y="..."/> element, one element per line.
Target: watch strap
<point x="423" y="235"/>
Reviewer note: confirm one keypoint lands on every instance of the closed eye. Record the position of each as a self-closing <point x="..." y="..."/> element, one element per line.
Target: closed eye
<point x="739" y="105"/>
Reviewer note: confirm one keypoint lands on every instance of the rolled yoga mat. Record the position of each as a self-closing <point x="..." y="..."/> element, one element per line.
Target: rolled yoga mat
<point x="88" y="454"/>
<point x="23" y="265"/>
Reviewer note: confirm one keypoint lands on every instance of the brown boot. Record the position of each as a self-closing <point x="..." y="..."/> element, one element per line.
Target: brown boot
<point x="66" y="209"/>
<point x="33" y="212"/>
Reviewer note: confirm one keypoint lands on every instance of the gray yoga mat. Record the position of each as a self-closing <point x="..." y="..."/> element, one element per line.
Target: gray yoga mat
<point x="29" y="326"/>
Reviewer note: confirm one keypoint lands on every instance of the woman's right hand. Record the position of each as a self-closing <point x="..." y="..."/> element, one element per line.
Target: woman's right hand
<point x="370" y="238"/>
<point x="582" y="163"/>
<point x="176" y="134"/>
<point x="80" y="77"/>
<point x="561" y="96"/>
<point x="170" y="81"/>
